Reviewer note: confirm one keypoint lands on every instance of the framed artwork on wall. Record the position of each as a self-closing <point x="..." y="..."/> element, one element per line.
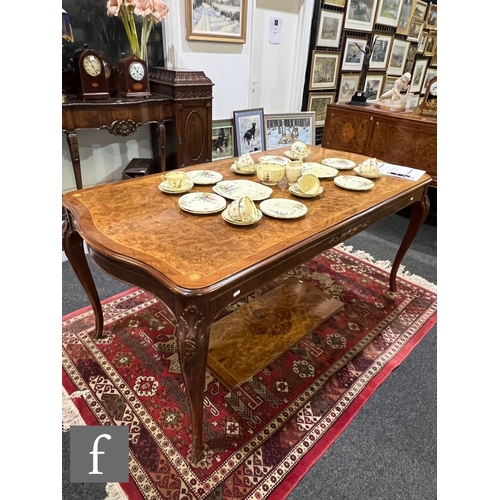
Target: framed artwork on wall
<point x="348" y="85"/>
<point x="360" y="15"/>
<point x="330" y="28"/>
<point x="417" y="78"/>
<point x="380" y="51"/>
<point x="324" y="70"/>
<point x="431" y="44"/>
<point x="374" y="84"/>
<point x="318" y="103"/>
<point x="420" y="9"/>
<point x="388" y="12"/>
<point x="222" y="139"/>
<point x="354" y="54"/>
<point x="397" y="59"/>
<point x="412" y="51"/>
<point x="431" y="21"/>
<point x="249" y="136"/>
<point x="231" y="22"/>
<point x="338" y="3"/>
<point x="430" y="73"/>
<point x="422" y="42"/>
<point x="389" y="83"/>
<point x="405" y="16"/>
<point x="415" y="31"/>
<point x="286" y="128"/>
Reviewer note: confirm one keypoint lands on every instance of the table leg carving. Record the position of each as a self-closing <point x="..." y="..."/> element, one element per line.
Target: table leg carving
<point x="419" y="212"/>
<point x="162" y="145"/>
<point x="73" y="247"/>
<point x="75" y="157"/>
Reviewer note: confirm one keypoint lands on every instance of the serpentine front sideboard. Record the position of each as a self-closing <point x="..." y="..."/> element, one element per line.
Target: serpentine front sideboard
<point x="406" y="138"/>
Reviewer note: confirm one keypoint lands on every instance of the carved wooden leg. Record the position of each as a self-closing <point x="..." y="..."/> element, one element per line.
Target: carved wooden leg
<point x="419" y="212"/>
<point x="162" y="145"/>
<point x="73" y="247"/>
<point x="75" y="157"/>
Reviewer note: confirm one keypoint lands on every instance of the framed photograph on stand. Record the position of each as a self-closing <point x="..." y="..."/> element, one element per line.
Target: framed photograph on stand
<point x="405" y="16"/>
<point x="388" y="12"/>
<point x="318" y="103"/>
<point x="222" y="139"/>
<point x="286" y="128"/>
<point x="397" y="59"/>
<point x="324" y="70"/>
<point x="249" y="135"/>
<point x="380" y="51"/>
<point x="354" y="54"/>
<point x="348" y="85"/>
<point x="417" y="77"/>
<point x="330" y="28"/>
<point x="360" y="15"/>
<point x="374" y="84"/>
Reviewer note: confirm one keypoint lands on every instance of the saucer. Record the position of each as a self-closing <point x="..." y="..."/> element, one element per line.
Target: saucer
<point x="280" y="160"/>
<point x="321" y="171"/>
<point x="339" y="163"/>
<point x="204" y="177"/>
<point x="354" y="183"/>
<point x="165" y="188"/>
<point x="294" y="189"/>
<point x="251" y="170"/>
<point x="368" y="175"/>
<point x="202" y="203"/>
<point x="229" y="219"/>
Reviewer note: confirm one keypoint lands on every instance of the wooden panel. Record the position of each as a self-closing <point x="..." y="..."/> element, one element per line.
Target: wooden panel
<point x="346" y="131"/>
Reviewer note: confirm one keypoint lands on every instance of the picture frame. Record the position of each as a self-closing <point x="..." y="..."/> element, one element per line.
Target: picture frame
<point x="337" y="3"/>
<point x="330" y="28"/>
<point x="354" y="54"/>
<point x="324" y="70"/>
<point x="415" y="30"/>
<point x="388" y="12"/>
<point x="360" y="15"/>
<point x="389" y="83"/>
<point x="431" y="44"/>
<point x="318" y="103"/>
<point x="380" y="51"/>
<point x="420" y="9"/>
<point x="418" y="75"/>
<point x="412" y="51"/>
<point x="397" y="59"/>
<point x="374" y="83"/>
<point x="249" y="136"/>
<point x="422" y="42"/>
<point x="430" y="73"/>
<point x="431" y="18"/>
<point x="412" y="100"/>
<point x="349" y="83"/>
<point x="222" y="139"/>
<point x="405" y="17"/>
<point x="285" y="128"/>
<point x="232" y="30"/>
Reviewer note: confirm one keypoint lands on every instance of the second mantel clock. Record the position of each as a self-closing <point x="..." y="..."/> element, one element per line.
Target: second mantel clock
<point x="92" y="75"/>
<point x="429" y="103"/>
<point x="134" y="79"/>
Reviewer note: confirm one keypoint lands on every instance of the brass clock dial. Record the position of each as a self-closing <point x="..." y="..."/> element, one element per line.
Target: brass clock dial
<point x="92" y="65"/>
<point x="136" y="70"/>
<point x="433" y="89"/>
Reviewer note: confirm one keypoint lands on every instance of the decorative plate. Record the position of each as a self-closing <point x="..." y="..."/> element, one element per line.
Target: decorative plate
<point x="368" y="175"/>
<point x="235" y="189"/>
<point x="280" y="160"/>
<point x="165" y="188"/>
<point x="202" y="203"/>
<point x="354" y="183"/>
<point x="294" y="189"/>
<point x="281" y="208"/>
<point x="292" y="156"/>
<point x="251" y="170"/>
<point x="229" y="219"/>
<point x="339" y="163"/>
<point x="319" y="170"/>
<point x="204" y="177"/>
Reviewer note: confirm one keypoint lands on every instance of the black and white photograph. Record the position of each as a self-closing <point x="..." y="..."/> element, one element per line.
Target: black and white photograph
<point x="330" y="28"/>
<point x="249" y="134"/>
<point x="324" y="70"/>
<point x="360" y="15"/>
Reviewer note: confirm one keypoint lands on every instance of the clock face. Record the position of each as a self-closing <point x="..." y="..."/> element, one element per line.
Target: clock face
<point x="136" y="71"/>
<point x="107" y="69"/>
<point x="434" y="88"/>
<point x="92" y="65"/>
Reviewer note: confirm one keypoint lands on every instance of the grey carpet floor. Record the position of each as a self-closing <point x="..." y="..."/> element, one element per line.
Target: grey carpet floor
<point x="389" y="450"/>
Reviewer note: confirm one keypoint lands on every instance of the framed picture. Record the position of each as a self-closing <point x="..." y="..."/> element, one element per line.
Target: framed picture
<point x="415" y="31"/>
<point x="324" y="70"/>
<point x="388" y="12"/>
<point x="420" y="9"/>
<point x="430" y="73"/>
<point x="330" y="28"/>
<point x="338" y="3"/>
<point x="405" y="16"/>
<point x="348" y="85"/>
<point x="431" y="22"/>
<point x="412" y="51"/>
<point x="231" y="22"/>
<point x="431" y="44"/>
<point x="318" y="103"/>
<point x="397" y="59"/>
<point x="360" y="15"/>
<point x="354" y="54"/>
<point x="418" y="75"/>
<point x="289" y="127"/>
<point x="374" y="84"/>
<point x="222" y="139"/>
<point x="380" y="51"/>
<point x="434" y="60"/>
<point x="389" y="83"/>
<point x="422" y="42"/>
<point x="412" y="100"/>
<point x="249" y="135"/>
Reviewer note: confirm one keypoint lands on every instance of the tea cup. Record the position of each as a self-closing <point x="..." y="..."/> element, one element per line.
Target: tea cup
<point x="245" y="163"/>
<point x="309" y="184"/>
<point x="298" y="149"/>
<point x="242" y="209"/>
<point x="176" y="180"/>
<point x="270" y="173"/>
<point x="369" y="167"/>
<point x="293" y="171"/>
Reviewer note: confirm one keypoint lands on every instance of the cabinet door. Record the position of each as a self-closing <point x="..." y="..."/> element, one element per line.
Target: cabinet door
<point x="346" y="131"/>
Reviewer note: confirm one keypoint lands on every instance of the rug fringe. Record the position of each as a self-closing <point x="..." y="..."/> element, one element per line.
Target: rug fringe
<point x="387" y="265"/>
<point x="115" y="492"/>
<point x="70" y="414"/>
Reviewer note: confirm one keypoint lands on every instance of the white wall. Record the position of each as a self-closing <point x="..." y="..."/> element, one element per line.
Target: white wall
<point x="255" y="74"/>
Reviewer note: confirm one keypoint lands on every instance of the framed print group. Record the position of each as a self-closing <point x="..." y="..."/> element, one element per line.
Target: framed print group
<point x="397" y="60"/>
<point x="318" y="103"/>
<point x="324" y="70"/>
<point x="249" y="135"/>
<point x="360" y="15"/>
<point x="230" y="25"/>
<point x="380" y="51"/>
<point x="388" y="12"/>
<point x="348" y="85"/>
<point x="222" y="139"/>
<point x="354" y="54"/>
<point x="288" y="127"/>
<point x="330" y="28"/>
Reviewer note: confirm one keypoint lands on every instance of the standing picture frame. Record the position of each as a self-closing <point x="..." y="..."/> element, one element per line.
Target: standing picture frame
<point x="380" y="52"/>
<point x="222" y="139"/>
<point x="285" y="128"/>
<point x="374" y="84"/>
<point x="349" y="83"/>
<point x="354" y="54"/>
<point x="418" y="75"/>
<point x="324" y="70"/>
<point x="330" y="28"/>
<point x="231" y="22"/>
<point x="249" y="136"/>
<point x="318" y="103"/>
<point x="360" y="15"/>
<point x="405" y="17"/>
<point x="397" y="59"/>
<point x="388" y="12"/>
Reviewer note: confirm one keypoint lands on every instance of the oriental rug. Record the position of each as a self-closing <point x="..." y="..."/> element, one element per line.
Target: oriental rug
<point x="262" y="437"/>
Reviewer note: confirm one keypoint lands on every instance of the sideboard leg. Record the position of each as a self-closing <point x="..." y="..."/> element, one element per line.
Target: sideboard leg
<point x="75" y="157"/>
<point x="419" y="212"/>
<point x="162" y="145"/>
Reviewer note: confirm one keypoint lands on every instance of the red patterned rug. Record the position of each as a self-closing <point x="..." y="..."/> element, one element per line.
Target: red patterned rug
<point x="264" y="436"/>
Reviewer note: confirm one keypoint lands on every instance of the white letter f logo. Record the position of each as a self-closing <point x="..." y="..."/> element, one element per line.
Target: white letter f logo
<point x="95" y="452"/>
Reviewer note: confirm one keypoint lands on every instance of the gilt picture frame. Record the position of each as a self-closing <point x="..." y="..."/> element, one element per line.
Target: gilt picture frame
<point x="318" y="103"/>
<point x="285" y="128"/>
<point x="249" y="136"/>
<point x="222" y="139"/>
<point x="420" y="9"/>
<point x="431" y="44"/>
<point x="431" y="18"/>
<point x="415" y="30"/>
<point x="360" y="15"/>
<point x="349" y="83"/>
<point x="405" y="17"/>
<point x="330" y="28"/>
<point x="324" y="70"/>
<point x="337" y="3"/>
<point x="388" y="12"/>
<point x="231" y="21"/>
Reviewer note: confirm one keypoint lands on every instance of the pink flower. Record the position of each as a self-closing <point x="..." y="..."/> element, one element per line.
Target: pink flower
<point x="160" y="10"/>
<point x="143" y="7"/>
<point x="114" y="7"/>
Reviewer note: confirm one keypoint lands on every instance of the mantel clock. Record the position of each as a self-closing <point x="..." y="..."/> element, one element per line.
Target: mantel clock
<point x="91" y="74"/>
<point x="134" y="79"/>
<point x="428" y="105"/>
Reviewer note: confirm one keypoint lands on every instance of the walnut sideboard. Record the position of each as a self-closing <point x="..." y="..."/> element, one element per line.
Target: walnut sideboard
<point x="405" y="138"/>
